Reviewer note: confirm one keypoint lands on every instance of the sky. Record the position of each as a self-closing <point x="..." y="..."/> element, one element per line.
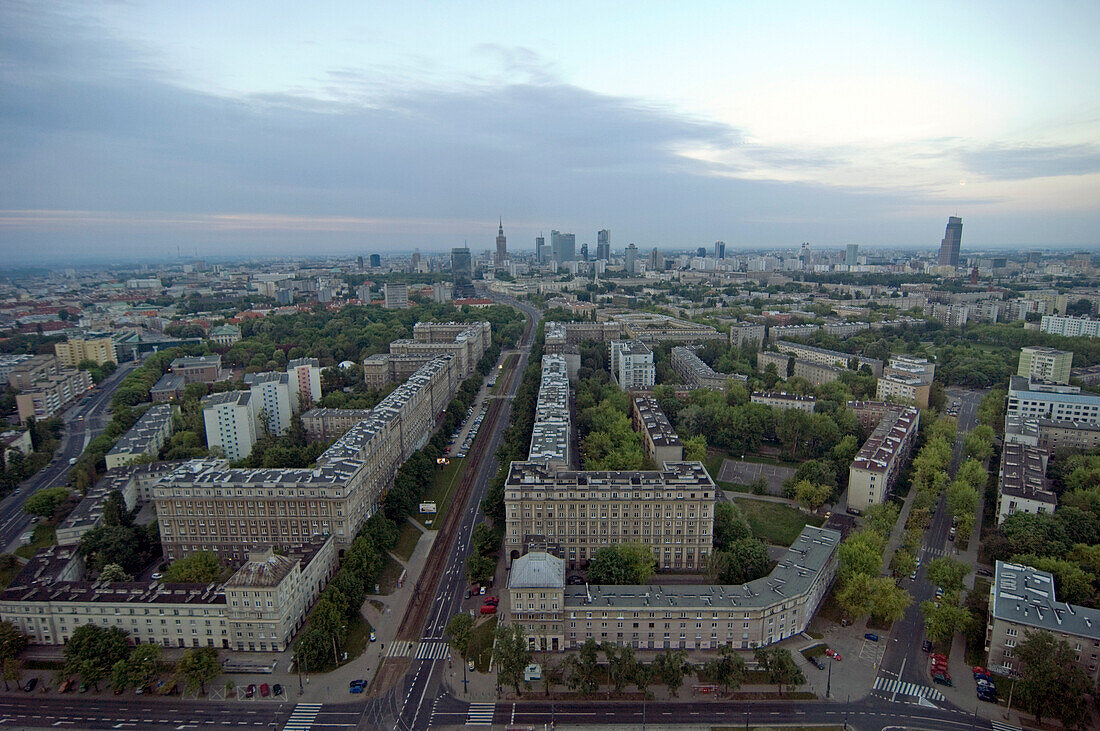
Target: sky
<point x="139" y="130"/>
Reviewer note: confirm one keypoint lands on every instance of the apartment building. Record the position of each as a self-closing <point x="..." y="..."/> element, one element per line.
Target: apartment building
<point x="1021" y="601"/>
<point x="653" y="328"/>
<point x="305" y="382"/>
<point x="198" y="368"/>
<point x="834" y="358"/>
<point x="209" y="507"/>
<point x="170" y="387"/>
<point x="660" y="442"/>
<point x="8" y="363"/>
<point x="1070" y="327"/>
<point x="395" y="296"/>
<point x="76" y="350"/>
<point x="880" y="460"/>
<point x="48" y="396"/>
<point x="576" y="513"/>
<point x="552" y="431"/>
<point x="22" y="375"/>
<point x="466" y="341"/>
<point x="788" y="365"/>
<point x="1022" y="484"/>
<point x="843" y="328"/>
<point x="632" y="364"/>
<point x="1045" y="364"/>
<point x="271" y="402"/>
<point x="785" y="401"/>
<point x="906" y="380"/>
<point x="230" y="422"/>
<point x="322" y="424"/>
<point x="134" y="482"/>
<point x="559" y="335"/>
<point x="949" y="314"/>
<point x="697" y="374"/>
<point x="258" y="610"/>
<point x="744" y="333"/>
<point x="144" y="439"/>
<point x="557" y="617"/>
<point x="1038" y="399"/>
<point x="778" y="332"/>
<point x="1068" y="436"/>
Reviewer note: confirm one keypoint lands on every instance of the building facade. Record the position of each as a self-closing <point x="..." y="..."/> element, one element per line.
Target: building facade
<point x="305" y="382"/>
<point x="1022" y="484"/>
<point x="48" y="396"/>
<point x="76" y="350"/>
<point x="880" y="460"/>
<point x="198" y="368"/>
<point x="144" y="439"/>
<point x="1070" y="327"/>
<point x="784" y="401"/>
<point x="395" y="296"/>
<point x="230" y="421"/>
<point x="1036" y="399"/>
<point x="1045" y="364"/>
<point x="745" y="333"/>
<point x="322" y="424"/>
<point x="632" y="364"/>
<point x="660" y="442"/>
<point x="697" y="374"/>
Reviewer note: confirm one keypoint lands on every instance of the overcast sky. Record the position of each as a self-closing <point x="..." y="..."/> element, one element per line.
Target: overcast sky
<point x="128" y="129"/>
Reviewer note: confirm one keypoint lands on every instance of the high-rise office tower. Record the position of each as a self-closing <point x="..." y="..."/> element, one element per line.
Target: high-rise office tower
<point x="952" y="241"/>
<point x="414" y="262"/>
<point x="719" y="249"/>
<point x="603" y="244"/>
<point x="656" y="261"/>
<point x="563" y="247"/>
<point x="851" y="255"/>
<point x="462" y="271"/>
<point x="375" y="261"/>
<point x="804" y="256"/>
<point x="540" y="249"/>
<point x="359" y="263"/>
<point x="701" y="252"/>
<point x="584" y="252"/>
<point x="502" y="247"/>
<point x="631" y="259"/>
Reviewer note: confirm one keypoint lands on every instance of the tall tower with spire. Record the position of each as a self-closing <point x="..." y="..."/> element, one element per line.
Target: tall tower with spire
<point x="502" y="247"/>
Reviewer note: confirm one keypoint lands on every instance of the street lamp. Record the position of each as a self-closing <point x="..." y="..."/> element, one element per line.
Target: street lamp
<point x="829" y="680"/>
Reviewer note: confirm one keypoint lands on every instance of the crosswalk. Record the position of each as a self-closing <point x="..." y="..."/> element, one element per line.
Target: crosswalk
<point x="401" y="648"/>
<point x="889" y="685"/>
<point x="999" y="726"/>
<point x="303" y="717"/>
<point x="480" y="714"/>
<point x="431" y="650"/>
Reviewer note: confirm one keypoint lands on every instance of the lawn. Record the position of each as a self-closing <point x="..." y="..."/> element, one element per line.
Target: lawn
<point x="480" y="649"/>
<point x="407" y="538"/>
<point x="776" y="523"/>
<point x="387" y="582"/>
<point x="440" y="492"/>
<point x="44" y="535"/>
<point x="734" y="487"/>
<point x="358" y="637"/>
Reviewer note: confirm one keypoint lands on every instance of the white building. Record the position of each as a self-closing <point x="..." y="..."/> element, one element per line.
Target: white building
<point x="271" y="402"/>
<point x="1045" y="364"/>
<point x="230" y="423"/>
<point x="1072" y="327"/>
<point x="305" y="382"/>
<point x="1022" y="484"/>
<point x="1035" y="399"/>
<point x="632" y="364"/>
<point x="395" y="296"/>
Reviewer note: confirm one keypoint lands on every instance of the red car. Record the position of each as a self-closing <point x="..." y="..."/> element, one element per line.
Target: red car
<point x="938" y="656"/>
<point x="492" y="600"/>
<point x="833" y="654"/>
<point x="488" y="608"/>
<point x="979" y="670"/>
<point x="265" y="690"/>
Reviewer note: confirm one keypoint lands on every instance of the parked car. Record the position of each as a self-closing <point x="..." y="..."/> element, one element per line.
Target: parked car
<point x="575" y="580"/>
<point x="357" y="686"/>
<point x="984" y="572"/>
<point x="66" y="686"/>
<point x="373" y="636"/>
<point x="30" y="685"/>
<point x="871" y="636"/>
<point x="939" y="591"/>
<point x="157" y="576"/>
<point x="979" y="670"/>
<point x="926" y="646"/>
<point x="816" y="661"/>
<point x="941" y="679"/>
<point x="987" y="697"/>
<point x="833" y="654"/>
<point x="488" y="608"/>
<point x="481" y="590"/>
<point x="492" y="600"/>
<point x="470" y="665"/>
<point x="276" y="690"/>
<point x="265" y="690"/>
<point x="938" y="656"/>
<point x="250" y="691"/>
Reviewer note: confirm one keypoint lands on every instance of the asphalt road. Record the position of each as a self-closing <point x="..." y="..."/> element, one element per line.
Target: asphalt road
<point x="82" y="423"/>
<point x="905" y="660"/>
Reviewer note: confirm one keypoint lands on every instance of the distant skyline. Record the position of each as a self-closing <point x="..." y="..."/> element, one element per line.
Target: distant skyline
<point x="227" y="129"/>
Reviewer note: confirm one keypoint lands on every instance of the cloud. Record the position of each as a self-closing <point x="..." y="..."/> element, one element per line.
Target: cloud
<point x="1022" y="162"/>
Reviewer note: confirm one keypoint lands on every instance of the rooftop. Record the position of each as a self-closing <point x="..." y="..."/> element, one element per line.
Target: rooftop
<point x="537" y="570"/>
<point x="1025" y="595"/>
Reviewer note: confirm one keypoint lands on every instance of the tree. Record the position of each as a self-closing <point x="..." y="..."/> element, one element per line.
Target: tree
<point x="861" y="553"/>
<point x="780" y="666"/>
<point x="1051" y="681"/>
<point x="671" y="667"/>
<point x="948" y="573"/>
<point x="458" y="630"/>
<point x="941" y="624"/>
<point x="582" y="669"/>
<point x="201" y="567"/>
<point x="484" y="540"/>
<point x="510" y="654"/>
<point x="198" y="666"/>
<point x="621" y="664"/>
<point x="812" y="496"/>
<point x="904" y="562"/>
<point x="114" y="572"/>
<point x="11" y="670"/>
<point x="743" y="560"/>
<point x="729" y="525"/>
<point x="695" y="448"/>
<point x="12" y="641"/>
<point x="881" y="518"/>
<point x="627" y="563"/>
<point x="92" y="652"/>
<point x="888" y="600"/>
<point x="480" y="569"/>
<point x="728" y="669"/>
<point x="45" y="503"/>
<point x="854" y="595"/>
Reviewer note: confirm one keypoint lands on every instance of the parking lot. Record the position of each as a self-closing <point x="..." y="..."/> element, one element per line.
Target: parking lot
<point x="743" y="473"/>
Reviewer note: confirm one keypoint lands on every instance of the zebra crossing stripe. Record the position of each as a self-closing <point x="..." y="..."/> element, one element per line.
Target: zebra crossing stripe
<point x="480" y="714"/>
<point x="889" y="685"/>
<point x="303" y="717"/>
<point x="999" y="726"/>
<point x="431" y="650"/>
<point x="401" y="648"/>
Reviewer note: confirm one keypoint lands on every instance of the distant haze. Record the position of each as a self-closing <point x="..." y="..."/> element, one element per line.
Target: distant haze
<point x="238" y="129"/>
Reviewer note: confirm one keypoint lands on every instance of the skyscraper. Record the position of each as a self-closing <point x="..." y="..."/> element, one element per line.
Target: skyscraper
<point x="375" y="261"/>
<point x="462" y="271"/>
<point x="851" y="255"/>
<point x="719" y="249"/>
<point x="502" y="247"/>
<point x="359" y="263"/>
<point x="952" y="241"/>
<point x="631" y="257"/>
<point x="414" y="262"/>
<point x="656" y="261"/>
<point x="701" y="252"/>
<point x="563" y="247"/>
<point x="603" y="244"/>
<point x="584" y="252"/>
<point x="540" y="249"/>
